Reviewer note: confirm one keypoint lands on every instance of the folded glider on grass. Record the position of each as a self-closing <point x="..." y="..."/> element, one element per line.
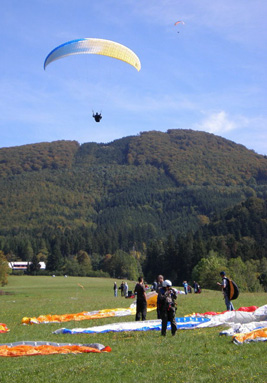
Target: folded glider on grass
<point x="3" y="328"/>
<point x="30" y="348"/>
<point x="98" y="314"/>
<point x="251" y="321"/>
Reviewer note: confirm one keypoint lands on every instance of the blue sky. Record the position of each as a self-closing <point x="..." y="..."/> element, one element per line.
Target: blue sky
<point x="211" y="76"/>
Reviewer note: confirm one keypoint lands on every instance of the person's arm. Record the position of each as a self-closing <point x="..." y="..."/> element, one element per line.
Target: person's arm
<point x="223" y="284"/>
<point x="174" y="295"/>
<point x="144" y="293"/>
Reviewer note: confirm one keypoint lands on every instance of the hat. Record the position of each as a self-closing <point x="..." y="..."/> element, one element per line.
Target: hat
<point x="222" y="273"/>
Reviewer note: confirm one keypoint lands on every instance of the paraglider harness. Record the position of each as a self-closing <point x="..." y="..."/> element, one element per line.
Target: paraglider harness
<point x="97" y="116"/>
<point x="167" y="298"/>
<point x="231" y="289"/>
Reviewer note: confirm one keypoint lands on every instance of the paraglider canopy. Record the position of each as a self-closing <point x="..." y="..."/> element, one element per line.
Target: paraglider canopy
<point x="178" y="22"/>
<point x="94" y="46"/>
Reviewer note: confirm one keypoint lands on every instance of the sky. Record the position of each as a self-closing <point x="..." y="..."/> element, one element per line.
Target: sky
<point x="208" y="74"/>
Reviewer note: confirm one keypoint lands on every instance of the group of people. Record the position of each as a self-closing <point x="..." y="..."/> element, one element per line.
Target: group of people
<point x="189" y="289"/>
<point x="166" y="299"/>
<point x="123" y="287"/>
<point x="166" y="305"/>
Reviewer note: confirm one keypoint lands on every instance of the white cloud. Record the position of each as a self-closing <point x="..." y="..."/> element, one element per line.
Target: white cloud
<point x="248" y="131"/>
<point x="217" y="123"/>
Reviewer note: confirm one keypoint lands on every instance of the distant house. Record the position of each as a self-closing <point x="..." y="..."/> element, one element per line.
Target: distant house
<point x="24" y="265"/>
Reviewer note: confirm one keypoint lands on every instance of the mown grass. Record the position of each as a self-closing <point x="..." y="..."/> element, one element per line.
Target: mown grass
<point x="191" y="356"/>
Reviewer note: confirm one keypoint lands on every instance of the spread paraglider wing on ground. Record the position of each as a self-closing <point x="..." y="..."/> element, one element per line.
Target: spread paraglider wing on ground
<point x="29" y="348"/>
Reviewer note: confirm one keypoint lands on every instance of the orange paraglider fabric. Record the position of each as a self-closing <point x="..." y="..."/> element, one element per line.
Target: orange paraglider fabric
<point x="25" y="350"/>
<point x="67" y="317"/>
<point x="151" y="305"/>
<point x="260" y="334"/>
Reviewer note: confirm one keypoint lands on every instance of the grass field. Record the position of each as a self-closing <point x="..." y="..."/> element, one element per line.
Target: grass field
<point x="191" y="356"/>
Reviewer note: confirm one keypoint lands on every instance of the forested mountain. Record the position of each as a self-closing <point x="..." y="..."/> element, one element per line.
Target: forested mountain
<point x="236" y="239"/>
<point x="101" y="198"/>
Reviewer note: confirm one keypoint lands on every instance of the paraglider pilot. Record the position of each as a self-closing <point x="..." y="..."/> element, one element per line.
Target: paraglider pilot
<point x="168" y="296"/>
<point x="226" y="291"/>
<point x="97" y="117"/>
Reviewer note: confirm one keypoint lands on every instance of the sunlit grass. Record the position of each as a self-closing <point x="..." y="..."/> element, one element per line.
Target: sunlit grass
<point x="191" y="356"/>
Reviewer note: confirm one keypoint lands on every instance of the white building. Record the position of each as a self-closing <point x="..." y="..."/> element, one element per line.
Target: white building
<point x="23" y="265"/>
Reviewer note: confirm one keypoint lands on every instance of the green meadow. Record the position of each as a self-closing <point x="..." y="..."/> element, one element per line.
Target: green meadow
<point x="191" y="356"/>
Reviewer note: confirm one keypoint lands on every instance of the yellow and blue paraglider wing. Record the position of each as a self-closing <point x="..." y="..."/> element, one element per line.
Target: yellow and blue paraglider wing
<point x="94" y="46"/>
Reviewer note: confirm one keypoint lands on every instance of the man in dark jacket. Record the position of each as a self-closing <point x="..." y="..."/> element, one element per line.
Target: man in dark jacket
<point x="160" y="280"/>
<point x="141" y="301"/>
<point x="167" y="307"/>
<point x="226" y="291"/>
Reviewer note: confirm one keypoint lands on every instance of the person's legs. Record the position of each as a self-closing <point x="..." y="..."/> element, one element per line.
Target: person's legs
<point x="138" y="311"/>
<point x="144" y="310"/>
<point x="231" y="306"/>
<point x="171" y="318"/>
<point x="228" y="303"/>
<point x="164" y="319"/>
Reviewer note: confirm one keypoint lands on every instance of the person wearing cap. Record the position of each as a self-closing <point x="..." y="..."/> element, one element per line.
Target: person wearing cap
<point x="167" y="307"/>
<point x="225" y="289"/>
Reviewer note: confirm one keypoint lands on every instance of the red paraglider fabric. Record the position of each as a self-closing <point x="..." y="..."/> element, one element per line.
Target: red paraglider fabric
<point x="3" y="328"/>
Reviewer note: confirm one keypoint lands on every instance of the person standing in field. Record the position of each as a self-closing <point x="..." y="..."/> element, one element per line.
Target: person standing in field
<point x="225" y="289"/>
<point x="154" y="286"/>
<point x="196" y="287"/>
<point x="115" y="288"/>
<point x="168" y="307"/>
<point x="160" y="280"/>
<point x="185" y="284"/>
<point x="141" y="301"/>
<point x="126" y="288"/>
<point x="121" y="288"/>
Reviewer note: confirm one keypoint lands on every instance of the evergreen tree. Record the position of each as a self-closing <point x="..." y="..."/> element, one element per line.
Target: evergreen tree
<point x="84" y="262"/>
<point x="155" y="258"/>
<point x="34" y="266"/>
<point x="3" y="269"/>
<point x="186" y="251"/>
<point x="55" y="259"/>
<point x="171" y="258"/>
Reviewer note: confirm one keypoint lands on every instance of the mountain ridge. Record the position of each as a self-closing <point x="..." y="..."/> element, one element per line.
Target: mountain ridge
<point x="201" y="151"/>
<point x="171" y="181"/>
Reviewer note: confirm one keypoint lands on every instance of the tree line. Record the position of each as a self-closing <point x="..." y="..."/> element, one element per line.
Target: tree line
<point x="235" y="240"/>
